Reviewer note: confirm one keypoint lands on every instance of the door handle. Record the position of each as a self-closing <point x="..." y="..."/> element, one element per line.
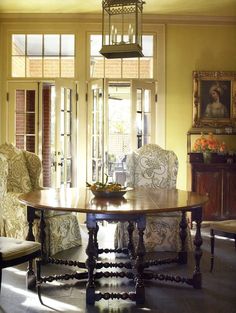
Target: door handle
<point x="60" y="164"/>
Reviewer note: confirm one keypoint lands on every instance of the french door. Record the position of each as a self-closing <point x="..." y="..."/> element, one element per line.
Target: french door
<point x="44" y="116"/>
<point x="63" y="134"/>
<point x="120" y="119"/>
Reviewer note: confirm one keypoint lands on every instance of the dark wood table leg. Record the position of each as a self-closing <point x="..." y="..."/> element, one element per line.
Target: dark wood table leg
<point x="30" y="220"/>
<point x="42" y="236"/>
<point x="96" y="238"/>
<point x="139" y="262"/>
<point x="182" y="255"/>
<point x="130" y="230"/>
<point x="90" y="263"/>
<point x="212" y="235"/>
<point x="197" y="276"/>
<point x="30" y="275"/>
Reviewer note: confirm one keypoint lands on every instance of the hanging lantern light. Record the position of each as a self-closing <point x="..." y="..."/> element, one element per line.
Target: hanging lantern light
<point x="122" y="28"/>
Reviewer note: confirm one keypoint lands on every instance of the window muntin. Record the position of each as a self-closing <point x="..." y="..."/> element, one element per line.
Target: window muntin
<point x="38" y="55"/>
<point x="101" y="67"/>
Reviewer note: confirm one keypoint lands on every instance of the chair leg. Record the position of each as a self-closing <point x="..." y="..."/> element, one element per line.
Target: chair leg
<point x="38" y="280"/>
<point x="30" y="276"/>
<point x="212" y="248"/>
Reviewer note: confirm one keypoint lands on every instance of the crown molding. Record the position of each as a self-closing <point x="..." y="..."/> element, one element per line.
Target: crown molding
<point x="188" y="19"/>
<point x="97" y="18"/>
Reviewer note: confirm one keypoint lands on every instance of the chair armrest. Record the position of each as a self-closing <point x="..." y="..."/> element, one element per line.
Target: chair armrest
<point x="12" y="208"/>
<point x="3" y="176"/>
<point x="34" y="166"/>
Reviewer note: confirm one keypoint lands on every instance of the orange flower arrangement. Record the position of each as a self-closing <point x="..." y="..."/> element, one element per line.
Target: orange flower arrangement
<point x="210" y="144"/>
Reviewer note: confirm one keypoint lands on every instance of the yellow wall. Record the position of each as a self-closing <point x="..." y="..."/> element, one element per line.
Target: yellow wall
<point x="189" y="48"/>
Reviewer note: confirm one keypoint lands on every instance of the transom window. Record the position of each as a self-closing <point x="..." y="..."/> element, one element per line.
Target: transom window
<point x="37" y="55"/>
<point x="101" y="67"/>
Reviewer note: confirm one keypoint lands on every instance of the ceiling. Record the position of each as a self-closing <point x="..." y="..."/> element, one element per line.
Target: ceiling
<point x="213" y="8"/>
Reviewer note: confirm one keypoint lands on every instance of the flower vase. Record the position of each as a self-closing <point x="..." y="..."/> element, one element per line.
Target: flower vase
<point x="207" y="157"/>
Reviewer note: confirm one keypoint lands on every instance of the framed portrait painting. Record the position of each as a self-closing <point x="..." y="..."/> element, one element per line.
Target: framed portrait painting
<point x="214" y="99"/>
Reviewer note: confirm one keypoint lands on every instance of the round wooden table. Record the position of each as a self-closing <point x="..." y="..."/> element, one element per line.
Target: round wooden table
<point x="133" y="207"/>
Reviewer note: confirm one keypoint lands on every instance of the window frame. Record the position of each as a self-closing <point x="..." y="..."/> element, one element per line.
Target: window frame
<point x="43" y="56"/>
<point x="153" y="34"/>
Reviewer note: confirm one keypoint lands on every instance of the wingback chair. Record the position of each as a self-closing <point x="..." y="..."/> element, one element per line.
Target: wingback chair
<point x="19" y="173"/>
<point x="153" y="167"/>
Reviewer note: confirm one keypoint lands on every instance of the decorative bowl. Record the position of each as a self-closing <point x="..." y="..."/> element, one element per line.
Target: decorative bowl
<point x="110" y="194"/>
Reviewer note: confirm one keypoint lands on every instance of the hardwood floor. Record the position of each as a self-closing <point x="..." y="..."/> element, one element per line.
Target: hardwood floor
<point x="217" y="295"/>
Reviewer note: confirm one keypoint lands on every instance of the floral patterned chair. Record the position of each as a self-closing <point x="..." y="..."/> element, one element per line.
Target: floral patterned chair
<point x="153" y="167"/>
<point x="19" y="173"/>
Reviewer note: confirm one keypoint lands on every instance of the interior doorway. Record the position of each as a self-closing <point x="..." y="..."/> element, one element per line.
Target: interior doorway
<point x="121" y="119"/>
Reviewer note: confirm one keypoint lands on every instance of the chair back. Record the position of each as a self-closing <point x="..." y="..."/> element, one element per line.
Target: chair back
<point x="153" y="167"/>
<point x="22" y="169"/>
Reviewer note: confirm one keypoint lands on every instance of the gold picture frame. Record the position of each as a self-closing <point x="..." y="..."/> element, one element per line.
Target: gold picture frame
<point x="214" y="99"/>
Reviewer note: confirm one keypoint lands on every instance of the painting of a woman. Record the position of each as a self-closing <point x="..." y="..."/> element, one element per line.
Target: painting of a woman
<point x="216" y="108"/>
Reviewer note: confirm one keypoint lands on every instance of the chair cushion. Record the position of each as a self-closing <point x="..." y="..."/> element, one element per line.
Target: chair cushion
<point x="12" y="248"/>
<point x="228" y="226"/>
<point x="18" y="176"/>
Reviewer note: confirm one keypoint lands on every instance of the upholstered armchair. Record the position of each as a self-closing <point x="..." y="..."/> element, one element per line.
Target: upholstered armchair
<point x="19" y="173"/>
<point x="153" y="167"/>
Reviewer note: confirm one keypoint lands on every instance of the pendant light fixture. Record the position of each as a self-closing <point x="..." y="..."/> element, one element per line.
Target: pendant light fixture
<point x="122" y="28"/>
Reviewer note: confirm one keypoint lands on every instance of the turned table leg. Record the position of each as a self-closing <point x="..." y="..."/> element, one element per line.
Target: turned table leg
<point x="130" y="230"/>
<point x="139" y="262"/>
<point x="197" y="276"/>
<point x="90" y="263"/>
<point x="182" y="255"/>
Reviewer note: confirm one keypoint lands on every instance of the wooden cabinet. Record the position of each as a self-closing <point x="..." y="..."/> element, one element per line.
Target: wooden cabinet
<point x="218" y="180"/>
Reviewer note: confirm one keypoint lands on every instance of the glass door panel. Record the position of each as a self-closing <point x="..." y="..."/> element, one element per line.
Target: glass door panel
<point x="143" y="96"/>
<point x="118" y="130"/>
<point x="96" y="143"/>
<point x="64" y="150"/>
<point x="23" y="110"/>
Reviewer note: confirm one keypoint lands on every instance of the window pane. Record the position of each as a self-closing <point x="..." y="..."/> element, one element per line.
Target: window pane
<point x="130" y="68"/>
<point x="20" y="123"/>
<point x="51" y="45"/>
<point x="147" y="45"/>
<point x="30" y="143"/>
<point x="146" y="124"/>
<point x="34" y="66"/>
<point x="62" y="125"/>
<point x="20" y="101"/>
<point x="97" y="67"/>
<point x="113" y="68"/>
<point x="34" y="44"/>
<point x="68" y="143"/>
<point x="67" y="45"/>
<point x="18" y="45"/>
<point x="30" y="125"/>
<point x="69" y="169"/>
<point x="30" y="101"/>
<point x="51" y="67"/>
<point x="18" y="66"/>
<point x="67" y="66"/>
<point x="146" y="67"/>
<point x="20" y="142"/>
<point x="95" y="45"/>
<point x="139" y="100"/>
<point x="68" y="124"/>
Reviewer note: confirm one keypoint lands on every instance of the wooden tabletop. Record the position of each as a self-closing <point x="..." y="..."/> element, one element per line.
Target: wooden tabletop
<point x="134" y="201"/>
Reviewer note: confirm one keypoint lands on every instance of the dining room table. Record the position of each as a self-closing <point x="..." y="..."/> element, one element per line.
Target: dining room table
<point x="133" y="206"/>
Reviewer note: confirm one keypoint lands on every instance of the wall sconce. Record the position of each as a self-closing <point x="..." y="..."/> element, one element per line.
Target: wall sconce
<point x="122" y="28"/>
